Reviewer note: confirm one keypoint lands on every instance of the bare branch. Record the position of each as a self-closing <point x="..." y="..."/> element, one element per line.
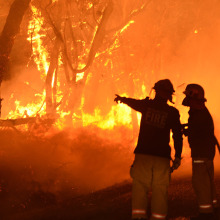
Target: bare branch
<point x="133" y="14"/>
<point x="99" y="36"/>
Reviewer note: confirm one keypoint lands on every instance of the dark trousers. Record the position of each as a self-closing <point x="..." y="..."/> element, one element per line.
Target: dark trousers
<point x="203" y="184"/>
<point x="150" y="173"/>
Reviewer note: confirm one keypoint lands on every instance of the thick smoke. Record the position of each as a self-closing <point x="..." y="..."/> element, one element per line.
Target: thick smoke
<point x="72" y="161"/>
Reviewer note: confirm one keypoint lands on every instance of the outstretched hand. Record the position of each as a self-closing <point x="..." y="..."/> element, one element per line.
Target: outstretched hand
<point x="176" y="164"/>
<point x="118" y="98"/>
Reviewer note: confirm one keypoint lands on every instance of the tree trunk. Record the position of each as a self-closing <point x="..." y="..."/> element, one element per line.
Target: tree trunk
<point x="50" y="104"/>
<point x="10" y="30"/>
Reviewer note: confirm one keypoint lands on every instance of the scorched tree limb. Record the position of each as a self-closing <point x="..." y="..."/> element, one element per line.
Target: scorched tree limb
<point x="10" y="30"/>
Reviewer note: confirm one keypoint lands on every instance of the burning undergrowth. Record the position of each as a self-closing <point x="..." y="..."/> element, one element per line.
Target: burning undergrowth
<point x="62" y="164"/>
<point x="44" y="170"/>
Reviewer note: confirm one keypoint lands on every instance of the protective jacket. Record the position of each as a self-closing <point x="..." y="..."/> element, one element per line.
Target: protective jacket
<point x="158" y="119"/>
<point x="201" y="136"/>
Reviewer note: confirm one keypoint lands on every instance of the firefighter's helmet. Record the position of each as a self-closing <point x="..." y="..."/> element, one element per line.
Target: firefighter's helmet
<point x="195" y="91"/>
<point x="164" y="85"/>
<point x="164" y="88"/>
<point x="195" y="95"/>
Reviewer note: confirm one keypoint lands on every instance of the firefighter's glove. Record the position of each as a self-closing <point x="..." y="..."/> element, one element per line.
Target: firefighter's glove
<point x="118" y="98"/>
<point x="185" y="131"/>
<point x="176" y="163"/>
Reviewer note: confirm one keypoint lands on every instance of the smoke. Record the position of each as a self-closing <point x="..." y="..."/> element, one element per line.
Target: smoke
<point x="180" y="41"/>
<point x="65" y="163"/>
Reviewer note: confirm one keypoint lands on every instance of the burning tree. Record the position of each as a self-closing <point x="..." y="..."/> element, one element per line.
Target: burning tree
<point x="79" y="46"/>
<point x="72" y="42"/>
<point x="10" y="30"/>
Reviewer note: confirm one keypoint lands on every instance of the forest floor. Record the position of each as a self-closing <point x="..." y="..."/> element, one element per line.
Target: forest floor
<point x="111" y="203"/>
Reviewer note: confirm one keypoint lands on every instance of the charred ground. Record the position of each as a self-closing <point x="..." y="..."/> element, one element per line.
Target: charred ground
<point x="111" y="203"/>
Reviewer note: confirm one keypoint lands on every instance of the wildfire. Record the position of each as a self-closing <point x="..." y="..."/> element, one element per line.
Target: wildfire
<point x="40" y="53"/>
<point x="31" y="109"/>
<point x="119" y="115"/>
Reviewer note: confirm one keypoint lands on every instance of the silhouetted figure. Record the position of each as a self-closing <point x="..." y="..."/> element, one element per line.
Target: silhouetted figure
<point x="202" y="142"/>
<point x="151" y="167"/>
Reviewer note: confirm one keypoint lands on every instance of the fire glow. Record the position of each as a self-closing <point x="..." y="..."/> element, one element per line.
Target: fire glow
<point x="147" y="46"/>
<point x="119" y="115"/>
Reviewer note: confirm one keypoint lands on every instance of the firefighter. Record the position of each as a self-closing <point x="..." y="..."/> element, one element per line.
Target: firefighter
<point x="202" y="142"/>
<point x="151" y="166"/>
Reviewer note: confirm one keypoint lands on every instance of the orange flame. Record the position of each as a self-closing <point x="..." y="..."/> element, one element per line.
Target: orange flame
<point x="119" y="115"/>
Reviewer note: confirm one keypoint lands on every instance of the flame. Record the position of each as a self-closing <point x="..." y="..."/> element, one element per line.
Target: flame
<point x="90" y="5"/>
<point x="115" y="45"/>
<point x="60" y="122"/>
<point x="31" y="109"/>
<point x="80" y="76"/>
<point x="196" y="31"/>
<point x="40" y="56"/>
<point x="119" y="115"/>
<point x="53" y="80"/>
<point x="40" y="53"/>
<point x="127" y="26"/>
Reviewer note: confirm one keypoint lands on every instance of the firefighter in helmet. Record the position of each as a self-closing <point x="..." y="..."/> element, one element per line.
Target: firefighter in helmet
<point x="151" y="166"/>
<point x="202" y="142"/>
